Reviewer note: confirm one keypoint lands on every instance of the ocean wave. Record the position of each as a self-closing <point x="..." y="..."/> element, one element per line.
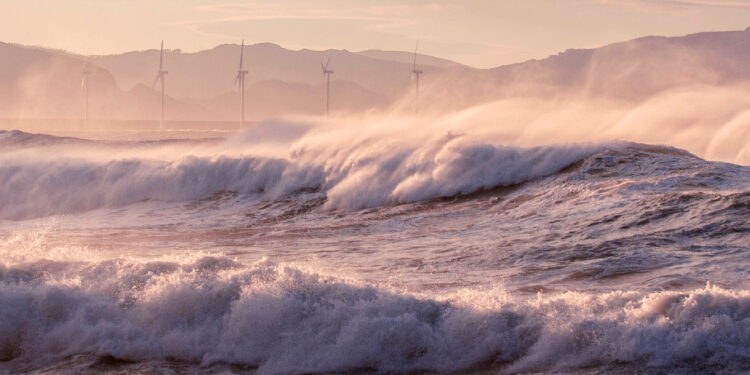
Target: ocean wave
<point x="351" y="178"/>
<point x="65" y="186"/>
<point x="286" y="319"/>
<point x="16" y="139"/>
<point x="367" y="173"/>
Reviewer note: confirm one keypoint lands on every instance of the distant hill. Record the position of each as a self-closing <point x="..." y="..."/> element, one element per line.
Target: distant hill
<point x="629" y="71"/>
<point x="46" y="83"/>
<point x="39" y="83"/>
<point x="408" y="58"/>
<point x="209" y="73"/>
<point x="273" y="98"/>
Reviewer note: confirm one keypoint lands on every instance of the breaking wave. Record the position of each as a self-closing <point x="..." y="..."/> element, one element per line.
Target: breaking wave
<point x="351" y="178"/>
<point x="282" y="319"/>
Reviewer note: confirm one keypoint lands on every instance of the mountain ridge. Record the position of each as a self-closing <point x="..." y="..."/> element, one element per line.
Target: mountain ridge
<point x="628" y="70"/>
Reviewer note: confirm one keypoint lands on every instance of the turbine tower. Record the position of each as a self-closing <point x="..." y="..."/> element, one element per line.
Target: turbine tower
<point x="85" y="92"/>
<point x="327" y="75"/>
<point x="160" y="77"/>
<point x="241" y="80"/>
<point x="415" y="74"/>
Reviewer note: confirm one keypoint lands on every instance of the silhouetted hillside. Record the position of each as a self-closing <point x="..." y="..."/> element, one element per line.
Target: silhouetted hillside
<point x="210" y="73"/>
<point x="630" y="71"/>
<point x="200" y="85"/>
<point x="39" y="83"/>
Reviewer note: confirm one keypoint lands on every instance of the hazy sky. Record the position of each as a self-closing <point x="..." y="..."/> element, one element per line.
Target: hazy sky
<point x="480" y="33"/>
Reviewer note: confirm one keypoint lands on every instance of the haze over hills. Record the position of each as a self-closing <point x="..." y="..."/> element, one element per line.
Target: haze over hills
<point x="408" y="58"/>
<point x="211" y="72"/>
<point x="40" y="83"/>
<point x="629" y="71"/>
<point x="46" y="83"/>
<point x="200" y="85"/>
<point x="277" y="97"/>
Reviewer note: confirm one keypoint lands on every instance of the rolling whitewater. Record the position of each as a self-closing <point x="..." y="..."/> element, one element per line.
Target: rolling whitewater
<point x="329" y="252"/>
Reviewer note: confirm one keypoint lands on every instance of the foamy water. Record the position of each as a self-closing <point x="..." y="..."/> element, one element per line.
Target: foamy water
<point x="455" y="253"/>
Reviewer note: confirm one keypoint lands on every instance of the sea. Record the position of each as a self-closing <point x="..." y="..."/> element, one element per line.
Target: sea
<point x="287" y="250"/>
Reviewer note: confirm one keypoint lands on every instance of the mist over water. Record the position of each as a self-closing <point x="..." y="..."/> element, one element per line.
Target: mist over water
<point x="709" y="121"/>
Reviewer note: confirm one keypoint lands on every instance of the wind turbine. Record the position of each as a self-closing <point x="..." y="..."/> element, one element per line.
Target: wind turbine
<point x="85" y="92"/>
<point x="327" y="75"/>
<point x="160" y="77"/>
<point x="415" y="74"/>
<point x="241" y="80"/>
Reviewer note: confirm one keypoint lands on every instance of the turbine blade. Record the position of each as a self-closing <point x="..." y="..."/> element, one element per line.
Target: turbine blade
<point x="161" y="55"/>
<point x="415" y="55"/>
<point x="323" y="67"/>
<point x="242" y="50"/>
<point x="158" y="75"/>
<point x="237" y="79"/>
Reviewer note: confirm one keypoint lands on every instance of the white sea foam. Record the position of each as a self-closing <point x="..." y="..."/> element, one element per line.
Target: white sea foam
<point x="211" y="309"/>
